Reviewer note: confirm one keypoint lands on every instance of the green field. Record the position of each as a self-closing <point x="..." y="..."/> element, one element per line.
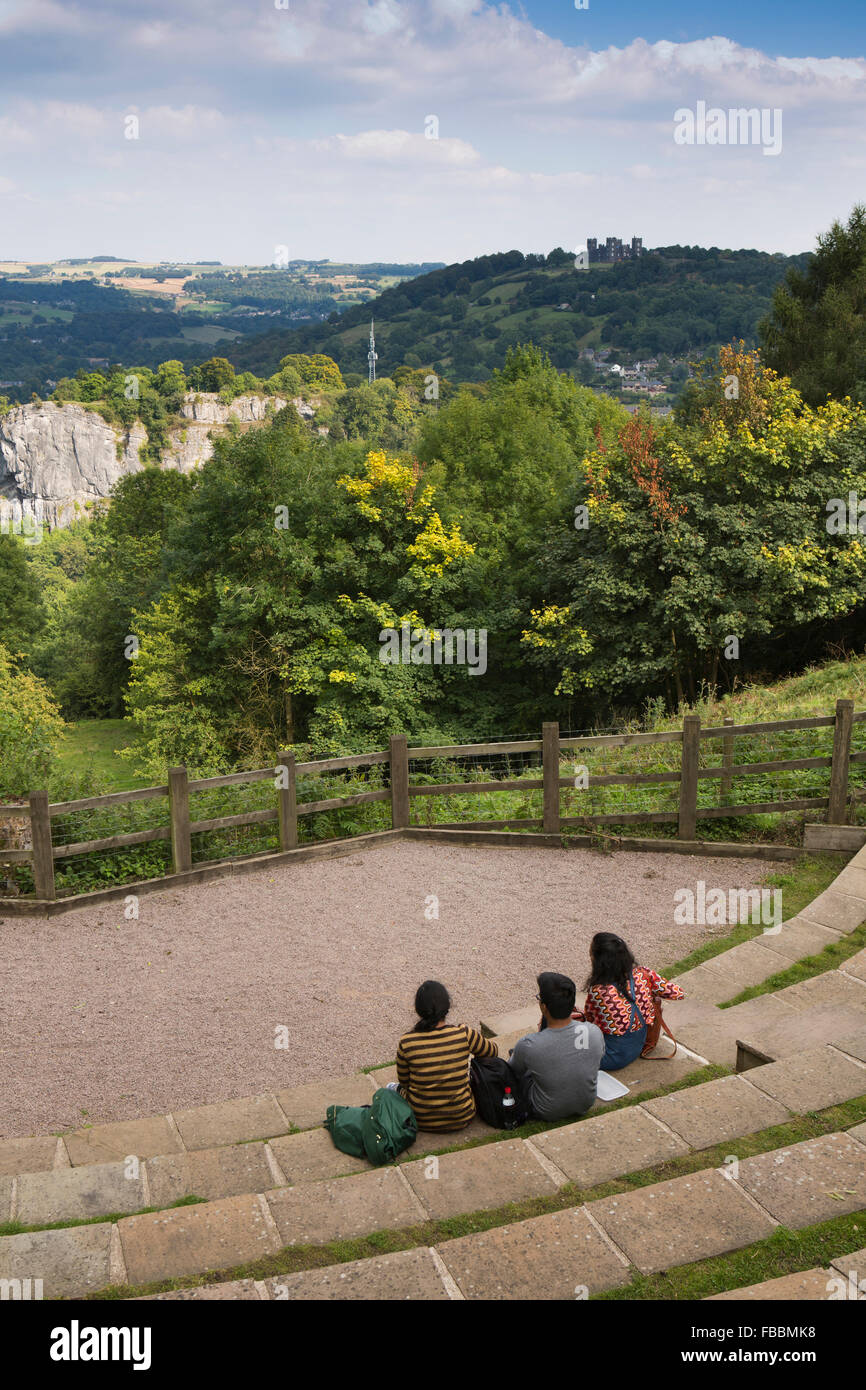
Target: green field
<point x="90" y="747"/>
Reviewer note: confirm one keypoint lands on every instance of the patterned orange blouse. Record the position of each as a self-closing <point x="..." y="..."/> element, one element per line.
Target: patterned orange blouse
<point x="610" y="1010"/>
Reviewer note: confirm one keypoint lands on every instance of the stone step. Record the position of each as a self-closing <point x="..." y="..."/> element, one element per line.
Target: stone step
<point x="681" y="1220"/>
<point x="837" y="909"/>
<point x="713" y="1032"/>
<point x="833" y="987"/>
<point x="809" y="1182"/>
<point x="796" y="939"/>
<point x="717" y="1111"/>
<point x="813" y="1080"/>
<point x="797" y="1031"/>
<point x="810" y="1286"/>
<point x="518" y="1021"/>
<point x="652" y="1228"/>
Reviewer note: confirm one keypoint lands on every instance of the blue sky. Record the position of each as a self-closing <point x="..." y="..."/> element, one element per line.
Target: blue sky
<point x="802" y="28"/>
<point x="307" y="124"/>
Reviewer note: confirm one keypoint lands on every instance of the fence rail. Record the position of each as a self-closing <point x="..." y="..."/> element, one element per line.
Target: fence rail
<point x="44" y="852"/>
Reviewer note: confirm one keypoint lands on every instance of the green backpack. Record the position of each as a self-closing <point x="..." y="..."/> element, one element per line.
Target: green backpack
<point x="378" y="1132"/>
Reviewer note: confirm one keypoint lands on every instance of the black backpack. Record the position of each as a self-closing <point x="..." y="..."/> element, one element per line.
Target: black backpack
<point x="488" y="1078"/>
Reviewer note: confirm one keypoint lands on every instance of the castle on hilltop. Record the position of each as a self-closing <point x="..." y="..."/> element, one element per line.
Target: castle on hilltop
<point x="613" y="249"/>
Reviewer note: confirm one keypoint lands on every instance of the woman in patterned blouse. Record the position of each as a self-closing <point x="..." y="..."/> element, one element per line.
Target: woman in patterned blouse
<point x="620" y="999"/>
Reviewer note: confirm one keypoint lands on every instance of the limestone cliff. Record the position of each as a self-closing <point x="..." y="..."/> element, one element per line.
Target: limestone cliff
<point x="55" y="459"/>
<point x="62" y="457"/>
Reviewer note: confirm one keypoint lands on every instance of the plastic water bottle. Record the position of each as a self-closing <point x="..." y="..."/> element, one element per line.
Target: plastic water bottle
<point x="509" y="1107"/>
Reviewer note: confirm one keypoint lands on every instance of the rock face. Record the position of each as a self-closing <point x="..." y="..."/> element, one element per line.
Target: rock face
<point x="205" y="407"/>
<point x="55" y="459"/>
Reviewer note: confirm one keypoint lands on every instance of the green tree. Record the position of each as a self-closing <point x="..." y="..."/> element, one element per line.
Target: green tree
<point x="30" y="729"/>
<point x="22" y="614"/>
<point x="816" y="330"/>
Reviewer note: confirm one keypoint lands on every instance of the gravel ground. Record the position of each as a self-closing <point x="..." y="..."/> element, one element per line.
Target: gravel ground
<point x="107" y="1019"/>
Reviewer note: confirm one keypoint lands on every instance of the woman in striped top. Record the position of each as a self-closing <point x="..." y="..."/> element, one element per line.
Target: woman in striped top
<point x="621" y="998"/>
<point x="433" y="1063"/>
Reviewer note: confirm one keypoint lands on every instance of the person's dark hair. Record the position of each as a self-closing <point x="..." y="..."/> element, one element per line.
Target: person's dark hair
<point x="558" y="992"/>
<point x="432" y="1003"/>
<point x="612" y="962"/>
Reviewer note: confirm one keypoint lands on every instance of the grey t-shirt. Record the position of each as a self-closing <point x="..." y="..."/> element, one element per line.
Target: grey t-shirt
<point x="562" y="1067"/>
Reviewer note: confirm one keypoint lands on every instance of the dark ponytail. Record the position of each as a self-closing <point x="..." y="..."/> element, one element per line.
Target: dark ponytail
<point x="431" y="1005"/>
<point x="612" y="962"/>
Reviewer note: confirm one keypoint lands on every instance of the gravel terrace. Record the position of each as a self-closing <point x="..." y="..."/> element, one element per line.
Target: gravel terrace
<point x="106" y="1019"/>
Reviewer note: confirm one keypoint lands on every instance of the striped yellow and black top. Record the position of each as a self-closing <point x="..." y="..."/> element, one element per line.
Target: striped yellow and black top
<point x="433" y="1072"/>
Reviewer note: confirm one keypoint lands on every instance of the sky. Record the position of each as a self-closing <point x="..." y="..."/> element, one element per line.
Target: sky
<point x="419" y="130"/>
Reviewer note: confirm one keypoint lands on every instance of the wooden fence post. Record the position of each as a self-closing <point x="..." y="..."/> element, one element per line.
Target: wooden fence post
<point x="837" y="808"/>
<point x="688" y="819"/>
<point x="178" y="802"/>
<point x="727" y="764"/>
<point x="43" y="852"/>
<point x="550" y="772"/>
<point x="399" y="751"/>
<point x="287" y="800"/>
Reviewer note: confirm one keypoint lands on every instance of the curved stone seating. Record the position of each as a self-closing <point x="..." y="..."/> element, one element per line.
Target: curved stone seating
<point x="270" y="1176"/>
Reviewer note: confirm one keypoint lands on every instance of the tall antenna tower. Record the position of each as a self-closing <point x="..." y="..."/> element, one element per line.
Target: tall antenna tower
<point x="372" y="356"/>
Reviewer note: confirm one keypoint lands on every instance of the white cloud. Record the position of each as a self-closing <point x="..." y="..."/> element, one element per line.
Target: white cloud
<point x="306" y="126"/>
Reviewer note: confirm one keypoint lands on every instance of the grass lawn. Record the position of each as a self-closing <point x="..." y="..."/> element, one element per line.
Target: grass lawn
<point x="90" y="746"/>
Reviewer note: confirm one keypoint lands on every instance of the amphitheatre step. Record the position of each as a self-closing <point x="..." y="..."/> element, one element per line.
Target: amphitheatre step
<point x="118" y="1139"/>
<point x="560" y="1256"/>
<point x="32" y="1155"/>
<point x="305" y="1106"/>
<point x="796" y="939"/>
<point x="708" y="985"/>
<point x="407" y="1274"/>
<point x="717" y="1111"/>
<point x="243" y="1290"/>
<point x="808" y="1182"/>
<point x="856" y="965"/>
<point x="842" y="991"/>
<point x="230" y="1122"/>
<point x="854" y="1263"/>
<point x="311" y="1156"/>
<point x="71" y="1261"/>
<point x="348" y="1207"/>
<point x="836" y="909"/>
<point x="656" y="1226"/>
<point x="798" y="1031"/>
<point x="810" y="1286"/>
<point x="72" y="1194"/>
<point x="193" y="1240"/>
<point x="713" y="1032"/>
<point x="518" y="1021"/>
<point x="229" y="1171"/>
<point x="478" y="1179"/>
<point x="814" y="1080"/>
<point x="681" y="1220"/>
<point x="744" y="965"/>
<point x="609" y="1146"/>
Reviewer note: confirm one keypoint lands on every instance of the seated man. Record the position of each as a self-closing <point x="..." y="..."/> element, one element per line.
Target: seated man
<point x="558" y="1065"/>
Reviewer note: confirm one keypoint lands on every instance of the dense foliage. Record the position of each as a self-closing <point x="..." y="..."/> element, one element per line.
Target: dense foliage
<point x="609" y="558"/>
<point x="816" y="332"/>
<point x="464" y="319"/>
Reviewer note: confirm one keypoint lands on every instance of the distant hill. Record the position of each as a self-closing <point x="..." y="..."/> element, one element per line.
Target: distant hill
<point x="59" y="318"/>
<point x="676" y="300"/>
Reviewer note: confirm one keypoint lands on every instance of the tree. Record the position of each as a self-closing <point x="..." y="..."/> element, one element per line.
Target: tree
<point x="22" y="615"/>
<point x="30" y="729"/>
<point x="711" y="527"/>
<point x="213" y="375"/>
<point x="816" y="330"/>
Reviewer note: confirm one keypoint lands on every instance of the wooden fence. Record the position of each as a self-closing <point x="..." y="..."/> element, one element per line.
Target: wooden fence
<point x="44" y="853"/>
